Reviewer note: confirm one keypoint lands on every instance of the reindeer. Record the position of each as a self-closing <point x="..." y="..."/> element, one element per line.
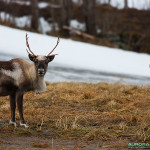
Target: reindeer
<point x="18" y="76"/>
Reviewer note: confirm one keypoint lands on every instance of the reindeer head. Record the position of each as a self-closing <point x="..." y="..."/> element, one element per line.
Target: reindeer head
<point x="40" y="62"/>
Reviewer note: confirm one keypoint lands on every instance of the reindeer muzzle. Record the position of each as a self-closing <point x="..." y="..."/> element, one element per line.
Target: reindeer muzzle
<point x="41" y="72"/>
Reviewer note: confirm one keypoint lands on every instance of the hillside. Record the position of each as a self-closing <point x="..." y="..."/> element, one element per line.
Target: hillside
<point x="79" y="115"/>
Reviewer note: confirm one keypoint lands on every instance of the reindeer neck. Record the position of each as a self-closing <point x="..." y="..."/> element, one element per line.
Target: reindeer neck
<point x="39" y="85"/>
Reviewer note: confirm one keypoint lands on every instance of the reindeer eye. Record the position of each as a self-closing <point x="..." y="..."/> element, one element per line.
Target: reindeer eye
<point x="46" y="61"/>
<point x="36" y="61"/>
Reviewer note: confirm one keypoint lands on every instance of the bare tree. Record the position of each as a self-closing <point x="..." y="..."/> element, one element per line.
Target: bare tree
<point x="65" y="17"/>
<point x="35" y="14"/>
<point x="79" y="3"/>
<point x="89" y="16"/>
<point x="53" y="16"/>
<point x="109" y="1"/>
<point x="125" y="4"/>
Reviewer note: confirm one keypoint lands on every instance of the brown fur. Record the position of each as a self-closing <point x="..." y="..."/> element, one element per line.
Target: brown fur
<point x="7" y="65"/>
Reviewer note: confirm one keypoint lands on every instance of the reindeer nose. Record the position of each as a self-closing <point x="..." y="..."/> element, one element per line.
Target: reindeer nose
<point x="41" y="70"/>
<point x="41" y="66"/>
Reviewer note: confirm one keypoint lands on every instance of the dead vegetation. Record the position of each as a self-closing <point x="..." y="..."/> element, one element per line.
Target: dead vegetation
<point x="89" y="112"/>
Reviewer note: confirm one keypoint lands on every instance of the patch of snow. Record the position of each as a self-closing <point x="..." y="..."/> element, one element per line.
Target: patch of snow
<point x="98" y="30"/>
<point x="18" y="21"/>
<point x="17" y="2"/>
<point x="23" y="21"/>
<point x="43" y="5"/>
<point x="77" y="25"/>
<point x="5" y="16"/>
<point x="138" y="4"/>
<point x="22" y="2"/>
<point x="44" y="26"/>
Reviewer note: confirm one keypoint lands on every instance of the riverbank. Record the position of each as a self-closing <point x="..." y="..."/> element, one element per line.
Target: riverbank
<point x="80" y="115"/>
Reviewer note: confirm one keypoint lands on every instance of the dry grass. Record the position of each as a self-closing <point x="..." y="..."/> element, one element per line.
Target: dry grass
<point x="90" y="112"/>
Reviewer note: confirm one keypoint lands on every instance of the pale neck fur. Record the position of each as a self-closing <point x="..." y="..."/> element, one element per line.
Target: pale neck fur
<point x="38" y="83"/>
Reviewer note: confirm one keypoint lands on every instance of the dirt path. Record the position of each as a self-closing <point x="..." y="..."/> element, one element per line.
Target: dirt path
<point x="14" y="142"/>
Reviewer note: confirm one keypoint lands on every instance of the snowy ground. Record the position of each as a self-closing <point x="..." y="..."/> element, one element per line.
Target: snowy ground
<point x="80" y="60"/>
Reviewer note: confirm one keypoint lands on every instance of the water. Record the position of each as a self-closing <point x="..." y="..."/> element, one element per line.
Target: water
<point x="60" y="73"/>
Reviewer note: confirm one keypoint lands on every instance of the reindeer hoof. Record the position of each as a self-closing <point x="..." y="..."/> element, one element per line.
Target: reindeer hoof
<point x="24" y="125"/>
<point x="13" y="123"/>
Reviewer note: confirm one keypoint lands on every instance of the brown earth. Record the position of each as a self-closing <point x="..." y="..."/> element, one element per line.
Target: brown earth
<point x="79" y="116"/>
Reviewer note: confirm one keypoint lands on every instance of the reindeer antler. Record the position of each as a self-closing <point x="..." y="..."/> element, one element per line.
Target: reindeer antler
<point x="54" y="47"/>
<point x="28" y="45"/>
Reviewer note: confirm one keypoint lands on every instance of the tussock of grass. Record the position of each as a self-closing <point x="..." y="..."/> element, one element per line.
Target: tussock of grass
<point x="106" y="112"/>
<point x="38" y="145"/>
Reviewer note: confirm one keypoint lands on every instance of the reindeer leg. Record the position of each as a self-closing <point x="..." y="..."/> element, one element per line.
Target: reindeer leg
<point x="20" y="108"/>
<point x="12" y="99"/>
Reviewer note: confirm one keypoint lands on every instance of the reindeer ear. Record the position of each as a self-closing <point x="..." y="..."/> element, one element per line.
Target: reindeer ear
<point x="50" y="58"/>
<point x="31" y="57"/>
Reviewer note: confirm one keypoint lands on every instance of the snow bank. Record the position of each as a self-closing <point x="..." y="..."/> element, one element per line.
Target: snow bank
<point x="75" y="54"/>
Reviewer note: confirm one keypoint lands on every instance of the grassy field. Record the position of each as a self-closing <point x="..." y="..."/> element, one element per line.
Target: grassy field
<point x="79" y="116"/>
